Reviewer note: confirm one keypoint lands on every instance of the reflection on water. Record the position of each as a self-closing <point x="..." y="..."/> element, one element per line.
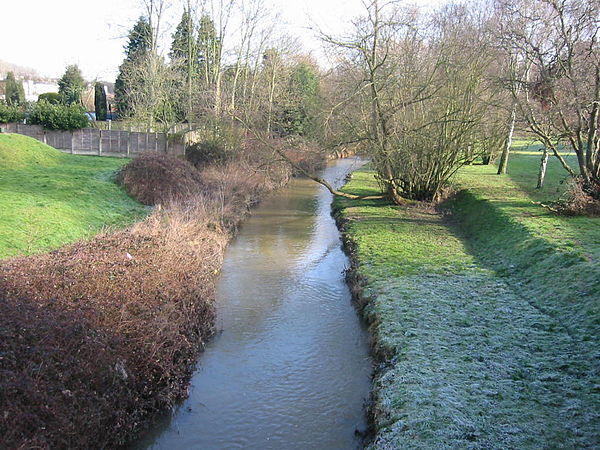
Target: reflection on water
<point x="290" y="368"/>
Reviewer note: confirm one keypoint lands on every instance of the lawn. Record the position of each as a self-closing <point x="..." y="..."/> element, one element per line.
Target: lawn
<point x="49" y="198"/>
<point x="487" y="324"/>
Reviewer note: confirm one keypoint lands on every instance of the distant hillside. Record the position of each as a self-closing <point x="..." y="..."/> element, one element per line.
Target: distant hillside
<point x="19" y="71"/>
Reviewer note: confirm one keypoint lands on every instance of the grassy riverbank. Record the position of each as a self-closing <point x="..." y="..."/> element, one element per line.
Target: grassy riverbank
<point x="100" y="335"/>
<point x="486" y="325"/>
<point x="49" y="198"/>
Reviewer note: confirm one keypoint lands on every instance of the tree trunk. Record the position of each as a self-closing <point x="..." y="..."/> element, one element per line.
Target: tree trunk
<point x="543" y="167"/>
<point x="503" y="165"/>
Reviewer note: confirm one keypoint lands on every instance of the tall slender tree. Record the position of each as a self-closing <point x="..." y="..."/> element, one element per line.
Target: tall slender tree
<point x="138" y="46"/>
<point x="15" y="94"/>
<point x="184" y="61"/>
<point x="100" y="104"/>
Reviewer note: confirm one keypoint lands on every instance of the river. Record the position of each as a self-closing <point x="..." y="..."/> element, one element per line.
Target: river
<point x="290" y="366"/>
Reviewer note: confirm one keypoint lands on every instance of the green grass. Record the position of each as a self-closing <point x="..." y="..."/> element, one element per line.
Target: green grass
<point x="49" y="198"/>
<point x="554" y="256"/>
<point x="490" y="323"/>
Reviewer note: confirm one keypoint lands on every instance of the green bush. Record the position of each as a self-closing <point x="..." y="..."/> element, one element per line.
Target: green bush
<point x="10" y="113"/>
<point x="50" y="97"/>
<point x="58" y="117"/>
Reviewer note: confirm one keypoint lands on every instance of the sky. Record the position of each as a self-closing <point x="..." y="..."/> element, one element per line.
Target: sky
<point x="48" y="35"/>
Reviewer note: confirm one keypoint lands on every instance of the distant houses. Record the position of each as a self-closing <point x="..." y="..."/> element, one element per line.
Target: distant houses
<point x="33" y="87"/>
<point x="36" y="85"/>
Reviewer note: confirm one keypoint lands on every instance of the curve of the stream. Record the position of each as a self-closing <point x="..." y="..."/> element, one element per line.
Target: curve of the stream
<point x="290" y="366"/>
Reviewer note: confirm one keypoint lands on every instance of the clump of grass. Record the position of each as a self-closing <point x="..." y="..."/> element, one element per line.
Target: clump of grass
<point x="49" y="198"/>
<point x="476" y="348"/>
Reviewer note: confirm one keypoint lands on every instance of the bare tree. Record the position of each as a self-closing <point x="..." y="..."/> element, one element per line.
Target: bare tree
<point x="558" y="93"/>
<point x="417" y="120"/>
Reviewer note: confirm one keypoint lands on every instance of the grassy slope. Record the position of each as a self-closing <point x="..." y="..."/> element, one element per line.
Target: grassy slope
<point x="480" y="352"/>
<point x="49" y="198"/>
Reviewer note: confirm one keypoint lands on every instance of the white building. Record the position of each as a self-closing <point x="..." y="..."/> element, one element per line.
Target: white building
<point x="33" y="88"/>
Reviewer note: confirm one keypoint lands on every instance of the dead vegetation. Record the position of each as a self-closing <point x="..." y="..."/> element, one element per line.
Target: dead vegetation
<point x="100" y="334"/>
<point x="95" y="338"/>
<point x="579" y="199"/>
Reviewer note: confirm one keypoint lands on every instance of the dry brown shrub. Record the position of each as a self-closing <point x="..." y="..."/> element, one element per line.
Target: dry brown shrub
<point x="156" y="179"/>
<point x="580" y="200"/>
<point x="98" y="336"/>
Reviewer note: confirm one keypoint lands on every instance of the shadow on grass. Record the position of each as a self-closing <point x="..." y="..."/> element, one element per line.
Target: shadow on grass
<point x="557" y="280"/>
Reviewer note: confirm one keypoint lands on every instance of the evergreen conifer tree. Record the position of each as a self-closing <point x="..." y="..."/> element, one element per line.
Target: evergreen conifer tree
<point x="100" y="101"/>
<point x="71" y="85"/>
<point x="184" y="46"/>
<point x="15" y="94"/>
<point x="138" y="45"/>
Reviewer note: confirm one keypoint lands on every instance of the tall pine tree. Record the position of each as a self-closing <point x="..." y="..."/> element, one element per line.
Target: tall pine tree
<point x="209" y="50"/>
<point x="100" y="101"/>
<point x="184" y="61"/>
<point x="184" y="46"/>
<point x="138" y="46"/>
<point x="71" y="85"/>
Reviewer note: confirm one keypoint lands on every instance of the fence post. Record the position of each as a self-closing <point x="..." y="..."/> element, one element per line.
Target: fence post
<point x="128" y="142"/>
<point x="155" y="142"/>
<point x="100" y="143"/>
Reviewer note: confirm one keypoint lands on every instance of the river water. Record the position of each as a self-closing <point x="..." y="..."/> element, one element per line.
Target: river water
<point x="290" y="366"/>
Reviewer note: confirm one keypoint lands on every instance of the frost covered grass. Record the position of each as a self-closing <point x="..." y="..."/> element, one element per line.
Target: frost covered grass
<point x="555" y="258"/>
<point x="476" y="349"/>
<point x="49" y="198"/>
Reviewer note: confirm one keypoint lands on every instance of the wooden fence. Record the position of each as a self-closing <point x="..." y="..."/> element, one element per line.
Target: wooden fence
<point x="91" y="141"/>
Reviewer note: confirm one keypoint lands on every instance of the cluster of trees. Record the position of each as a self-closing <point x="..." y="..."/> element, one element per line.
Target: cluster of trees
<point x="425" y="94"/>
<point x="225" y="61"/>
<point x="62" y="110"/>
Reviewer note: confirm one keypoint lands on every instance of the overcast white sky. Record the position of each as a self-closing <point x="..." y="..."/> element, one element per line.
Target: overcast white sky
<point x="47" y="35"/>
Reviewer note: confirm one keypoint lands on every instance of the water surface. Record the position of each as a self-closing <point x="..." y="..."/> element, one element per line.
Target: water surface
<point x="290" y="366"/>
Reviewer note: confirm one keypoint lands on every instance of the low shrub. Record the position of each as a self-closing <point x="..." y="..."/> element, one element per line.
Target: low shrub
<point x="159" y="179"/>
<point x="208" y="152"/>
<point x="10" y="114"/>
<point x="58" y="117"/>
<point x="230" y="188"/>
<point x="580" y="199"/>
<point x="217" y="142"/>
<point x="50" y="97"/>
